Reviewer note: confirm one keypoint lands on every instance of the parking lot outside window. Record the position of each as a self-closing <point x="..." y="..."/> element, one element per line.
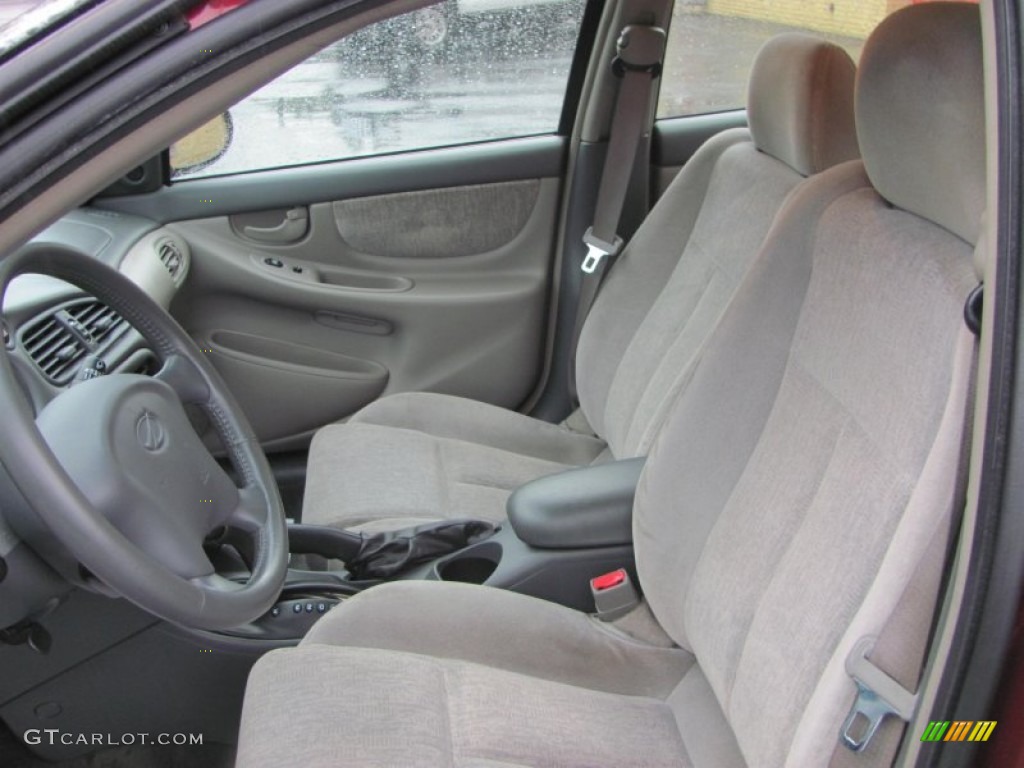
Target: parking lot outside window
<point x="712" y="44"/>
<point x="460" y="72"/>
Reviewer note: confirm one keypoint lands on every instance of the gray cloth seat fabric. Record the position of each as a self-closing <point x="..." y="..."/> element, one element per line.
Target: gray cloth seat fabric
<point x="412" y="458"/>
<point x="472" y="696"/>
<point x="409" y="458"/>
<point x="830" y="404"/>
<point x="451" y="715"/>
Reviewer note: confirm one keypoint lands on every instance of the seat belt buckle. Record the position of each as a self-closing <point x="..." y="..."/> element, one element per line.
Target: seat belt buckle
<point x="598" y="249"/>
<point x="878" y="696"/>
<point x="614" y="594"/>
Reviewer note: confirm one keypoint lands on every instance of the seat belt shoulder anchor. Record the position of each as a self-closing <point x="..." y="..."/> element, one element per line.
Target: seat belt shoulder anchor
<point x="639" y="48"/>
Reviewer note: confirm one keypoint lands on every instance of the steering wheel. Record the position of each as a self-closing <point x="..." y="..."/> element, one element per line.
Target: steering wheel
<point x="117" y="473"/>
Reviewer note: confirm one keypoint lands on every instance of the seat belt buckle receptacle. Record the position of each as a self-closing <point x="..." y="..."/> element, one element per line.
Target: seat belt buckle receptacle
<point x="598" y="249"/>
<point x="614" y="594"/>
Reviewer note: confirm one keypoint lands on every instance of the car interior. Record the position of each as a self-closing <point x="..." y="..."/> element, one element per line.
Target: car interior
<point x="509" y="396"/>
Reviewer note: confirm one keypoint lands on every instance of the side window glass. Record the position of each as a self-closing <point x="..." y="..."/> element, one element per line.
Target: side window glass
<point x="712" y="44"/>
<point x="458" y="72"/>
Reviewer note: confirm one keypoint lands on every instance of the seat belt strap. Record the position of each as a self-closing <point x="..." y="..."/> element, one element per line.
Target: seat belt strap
<point x="637" y="65"/>
<point x="878" y="695"/>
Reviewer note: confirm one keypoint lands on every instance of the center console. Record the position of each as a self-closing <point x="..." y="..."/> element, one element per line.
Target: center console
<point x="562" y="530"/>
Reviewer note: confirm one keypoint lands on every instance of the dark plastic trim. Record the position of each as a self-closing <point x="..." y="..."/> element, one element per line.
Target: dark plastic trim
<point x="561" y="576"/>
<point x="578" y="508"/>
<point x="973" y="308"/>
<point x="580" y="62"/>
<point x="555" y="402"/>
<point x="103" y="39"/>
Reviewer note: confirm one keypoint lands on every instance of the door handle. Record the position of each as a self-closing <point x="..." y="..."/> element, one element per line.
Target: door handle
<point x="294" y="226"/>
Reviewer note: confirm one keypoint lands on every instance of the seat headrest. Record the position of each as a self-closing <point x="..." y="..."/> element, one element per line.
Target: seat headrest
<point x="921" y="114"/>
<point x="800" y="102"/>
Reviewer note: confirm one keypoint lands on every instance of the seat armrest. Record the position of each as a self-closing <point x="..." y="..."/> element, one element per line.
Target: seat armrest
<point x="578" y="508"/>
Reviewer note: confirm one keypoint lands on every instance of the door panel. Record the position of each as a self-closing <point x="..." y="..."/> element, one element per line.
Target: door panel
<point x="382" y="216"/>
<point x="281" y="188"/>
<point x="273" y="227"/>
<point x="440" y="224"/>
<point x="439" y="290"/>
<point x="286" y="387"/>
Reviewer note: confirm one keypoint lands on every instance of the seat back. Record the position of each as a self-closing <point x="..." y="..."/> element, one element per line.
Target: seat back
<point x="803" y="473"/>
<point x="670" y="286"/>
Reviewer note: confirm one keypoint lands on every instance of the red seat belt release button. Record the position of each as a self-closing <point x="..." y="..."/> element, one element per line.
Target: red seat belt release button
<point x="609" y="580"/>
<point x="614" y="594"/>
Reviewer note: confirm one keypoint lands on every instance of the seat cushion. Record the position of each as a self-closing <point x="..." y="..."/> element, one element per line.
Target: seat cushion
<point x="367" y="707"/>
<point x="413" y="458"/>
<point x="505" y="630"/>
<point x="466" y="676"/>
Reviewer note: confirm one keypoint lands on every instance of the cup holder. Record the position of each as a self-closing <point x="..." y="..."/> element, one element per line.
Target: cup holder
<point x="472" y="566"/>
<point x="472" y="570"/>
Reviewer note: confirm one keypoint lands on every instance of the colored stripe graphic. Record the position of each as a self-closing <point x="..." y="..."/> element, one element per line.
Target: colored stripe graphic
<point x="982" y="730"/>
<point x="959" y="730"/>
<point x="935" y="731"/>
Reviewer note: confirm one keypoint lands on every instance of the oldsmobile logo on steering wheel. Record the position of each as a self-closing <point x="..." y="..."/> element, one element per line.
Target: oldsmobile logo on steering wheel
<point x="150" y="431"/>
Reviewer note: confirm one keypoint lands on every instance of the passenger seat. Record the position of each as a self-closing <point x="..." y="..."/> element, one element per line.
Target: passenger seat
<point x="417" y="457"/>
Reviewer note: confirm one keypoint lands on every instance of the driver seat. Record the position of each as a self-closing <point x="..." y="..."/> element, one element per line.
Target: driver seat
<point x="829" y="406"/>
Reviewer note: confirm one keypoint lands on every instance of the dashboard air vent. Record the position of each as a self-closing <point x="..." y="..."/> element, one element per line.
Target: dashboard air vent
<point x="54" y="348"/>
<point x="97" y="321"/>
<point x="58" y="341"/>
<point x="170" y="256"/>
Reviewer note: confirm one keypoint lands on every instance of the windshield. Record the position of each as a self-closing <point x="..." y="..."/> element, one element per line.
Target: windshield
<point x="21" y="20"/>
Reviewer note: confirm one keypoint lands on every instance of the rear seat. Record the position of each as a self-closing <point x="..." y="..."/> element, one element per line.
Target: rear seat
<point x="416" y="457"/>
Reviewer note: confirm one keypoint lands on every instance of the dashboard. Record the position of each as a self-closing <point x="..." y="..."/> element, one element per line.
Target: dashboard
<point x="57" y="335"/>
